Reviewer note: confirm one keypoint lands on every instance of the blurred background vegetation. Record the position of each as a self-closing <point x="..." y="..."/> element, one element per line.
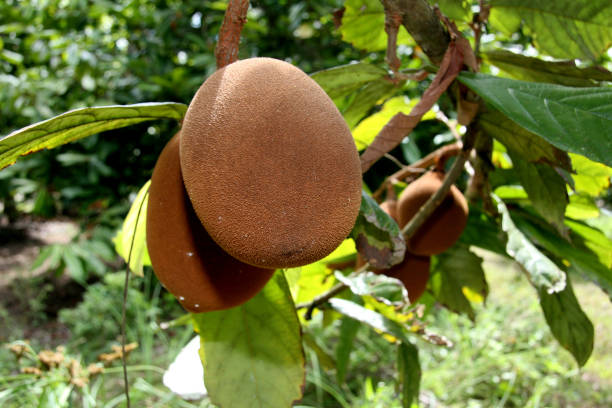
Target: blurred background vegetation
<point x="58" y="55"/>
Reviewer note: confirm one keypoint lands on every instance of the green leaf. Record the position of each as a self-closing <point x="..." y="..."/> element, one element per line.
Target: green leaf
<point x="367" y="130"/>
<point x="369" y="317"/>
<point x="131" y="240"/>
<point x="581" y="207"/>
<point x="562" y="28"/>
<point x="348" y="332"/>
<point x="533" y="69"/>
<point x="80" y="123"/>
<point x="345" y="79"/>
<point x="596" y="241"/>
<point x="377" y="235"/>
<point x="568" y="322"/>
<point x="74" y="265"/>
<point x="579" y="257"/>
<point x="252" y="354"/>
<point x="578" y="120"/>
<point x="591" y="178"/>
<point x="454" y="271"/>
<point x="545" y="187"/>
<point x="483" y="231"/>
<point x="311" y="280"/>
<point x="363" y="25"/>
<point x="366" y="98"/>
<point x="543" y="272"/>
<point x="455" y="9"/>
<point x="409" y="371"/>
<point x="379" y="286"/>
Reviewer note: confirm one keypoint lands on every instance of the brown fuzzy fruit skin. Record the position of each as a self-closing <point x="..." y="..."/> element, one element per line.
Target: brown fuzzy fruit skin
<point x="442" y="229"/>
<point x="413" y="272"/>
<point x="185" y="259"/>
<point x="390" y="207"/>
<point x="270" y="165"/>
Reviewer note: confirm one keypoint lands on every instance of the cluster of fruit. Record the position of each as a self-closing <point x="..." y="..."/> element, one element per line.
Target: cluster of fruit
<point x="437" y="234"/>
<point x="263" y="174"/>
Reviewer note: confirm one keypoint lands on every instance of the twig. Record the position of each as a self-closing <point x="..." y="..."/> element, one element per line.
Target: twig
<point x="436" y="199"/>
<point x="124" y="306"/>
<point x="229" y="34"/>
<point x="393" y="20"/>
<point x="418" y="166"/>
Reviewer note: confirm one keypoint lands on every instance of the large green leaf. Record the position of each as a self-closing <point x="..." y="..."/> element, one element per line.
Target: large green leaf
<point x="578" y="120"/>
<point x="342" y="80"/>
<point x="568" y="322"/>
<point x="131" y="240"/>
<point x="409" y="370"/>
<point x="586" y="236"/>
<point x="252" y="354"/>
<point x="533" y="69"/>
<point x="562" y="28"/>
<point x="454" y="271"/>
<point x="377" y="235"/>
<point x="543" y="273"/>
<point x="80" y="123"/>
<point x="528" y="145"/>
<point x="580" y="257"/>
<point x="545" y="187"/>
<point x="363" y="25"/>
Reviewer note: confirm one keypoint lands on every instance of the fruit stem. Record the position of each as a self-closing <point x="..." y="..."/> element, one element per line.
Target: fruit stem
<point x="229" y="34"/>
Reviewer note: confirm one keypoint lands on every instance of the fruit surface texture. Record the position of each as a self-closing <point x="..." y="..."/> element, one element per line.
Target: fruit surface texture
<point x="269" y="164"/>
<point x="442" y="229"/>
<point x="185" y="259"/>
<point x="413" y="272"/>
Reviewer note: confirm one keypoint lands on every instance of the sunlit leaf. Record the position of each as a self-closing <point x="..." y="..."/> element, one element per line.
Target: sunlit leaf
<point x="591" y="177"/>
<point x="130" y="241"/>
<point x="578" y="120"/>
<point x="363" y="25"/>
<point x="367" y="130"/>
<point x="255" y="348"/>
<point x="80" y="123"/>
<point x="344" y="79"/>
<point x="561" y="28"/>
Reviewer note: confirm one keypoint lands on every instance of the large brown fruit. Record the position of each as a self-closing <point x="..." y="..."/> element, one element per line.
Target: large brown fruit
<point x="442" y="229"/>
<point x="413" y="271"/>
<point x="185" y="259"/>
<point x="270" y="165"/>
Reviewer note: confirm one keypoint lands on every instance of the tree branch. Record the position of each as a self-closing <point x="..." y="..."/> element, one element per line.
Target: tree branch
<point x="229" y="34"/>
<point x="420" y="20"/>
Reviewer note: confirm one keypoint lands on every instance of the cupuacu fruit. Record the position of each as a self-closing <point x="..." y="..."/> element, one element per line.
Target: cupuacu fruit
<point x="269" y="164"/>
<point x="443" y="228"/>
<point x="185" y="259"/>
